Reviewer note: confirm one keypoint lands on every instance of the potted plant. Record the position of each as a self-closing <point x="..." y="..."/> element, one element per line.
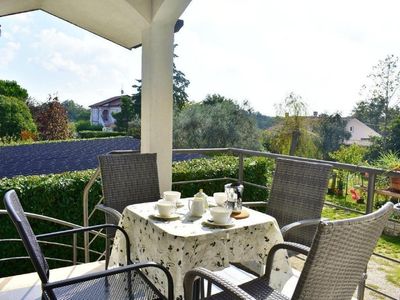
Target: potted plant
<point x="391" y="162"/>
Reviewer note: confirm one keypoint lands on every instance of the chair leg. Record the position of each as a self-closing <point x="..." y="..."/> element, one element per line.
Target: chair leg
<point x="196" y="289"/>
<point x="107" y="254"/>
<point x="361" y="286"/>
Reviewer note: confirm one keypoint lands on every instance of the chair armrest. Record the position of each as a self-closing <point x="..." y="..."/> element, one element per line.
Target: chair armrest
<point x="299" y="224"/>
<point x="92" y="276"/>
<point x="234" y="291"/>
<point x="90" y="228"/>
<point x="113" y="213"/>
<point x="285" y="245"/>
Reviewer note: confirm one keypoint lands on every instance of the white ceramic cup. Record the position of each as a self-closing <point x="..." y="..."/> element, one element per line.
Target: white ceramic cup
<point x="221" y="215"/>
<point x="165" y="208"/>
<point x="220" y="198"/>
<point x="172" y="196"/>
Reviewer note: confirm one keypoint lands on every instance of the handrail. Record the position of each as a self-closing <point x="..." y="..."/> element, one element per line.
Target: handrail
<point x="74" y="245"/>
<point x="241" y="153"/>
<point x="371" y="171"/>
<point x="86" y="212"/>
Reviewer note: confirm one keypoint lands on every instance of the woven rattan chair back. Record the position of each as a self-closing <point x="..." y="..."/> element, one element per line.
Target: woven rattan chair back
<point x="339" y="255"/>
<point x="298" y="193"/>
<point x="129" y="178"/>
<point x="17" y="215"/>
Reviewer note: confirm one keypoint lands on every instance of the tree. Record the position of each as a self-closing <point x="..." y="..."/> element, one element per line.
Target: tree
<point x="75" y="111"/>
<point x="15" y="118"/>
<point x="393" y="143"/>
<point x="221" y="124"/>
<point x="215" y="99"/>
<point x="52" y="120"/>
<point x="13" y="89"/>
<point x="379" y="94"/>
<point x="264" y="122"/>
<point x="293" y="135"/>
<point x="126" y="115"/>
<point x="180" y="84"/>
<point x="332" y="133"/>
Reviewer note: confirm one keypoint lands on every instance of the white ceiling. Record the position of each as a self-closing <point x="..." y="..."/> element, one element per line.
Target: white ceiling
<point x="120" y="21"/>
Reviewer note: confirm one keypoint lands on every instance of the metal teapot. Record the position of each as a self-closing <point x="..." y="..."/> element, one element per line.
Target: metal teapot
<point x="234" y="194"/>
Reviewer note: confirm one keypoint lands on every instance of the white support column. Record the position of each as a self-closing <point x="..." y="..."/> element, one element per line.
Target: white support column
<point x="157" y="101"/>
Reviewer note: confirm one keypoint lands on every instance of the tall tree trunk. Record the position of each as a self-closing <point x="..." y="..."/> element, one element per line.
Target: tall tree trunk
<point x="294" y="142"/>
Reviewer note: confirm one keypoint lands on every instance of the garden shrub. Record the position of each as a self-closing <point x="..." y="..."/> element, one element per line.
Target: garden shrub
<point x="60" y="196"/>
<point x="256" y="170"/>
<point x="83" y="125"/>
<point x="88" y="134"/>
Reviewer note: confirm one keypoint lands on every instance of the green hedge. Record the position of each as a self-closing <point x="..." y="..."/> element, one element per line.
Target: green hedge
<point x="88" y="134"/>
<point x="256" y="170"/>
<point x="60" y="196"/>
<point x="82" y="125"/>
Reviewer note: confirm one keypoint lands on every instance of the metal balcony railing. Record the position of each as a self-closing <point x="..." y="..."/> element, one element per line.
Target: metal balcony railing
<point x="241" y="154"/>
<point x="74" y="243"/>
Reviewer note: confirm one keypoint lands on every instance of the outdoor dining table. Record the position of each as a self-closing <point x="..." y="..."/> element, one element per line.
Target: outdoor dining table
<point x="186" y="242"/>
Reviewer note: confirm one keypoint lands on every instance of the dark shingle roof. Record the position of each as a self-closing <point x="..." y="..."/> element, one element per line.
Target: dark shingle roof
<point x="58" y="157"/>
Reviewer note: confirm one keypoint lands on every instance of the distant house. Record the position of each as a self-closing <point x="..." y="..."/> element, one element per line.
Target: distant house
<point x="101" y="112"/>
<point x="360" y="133"/>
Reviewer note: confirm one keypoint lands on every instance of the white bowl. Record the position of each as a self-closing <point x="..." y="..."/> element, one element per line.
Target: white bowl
<point x="220" y="215"/>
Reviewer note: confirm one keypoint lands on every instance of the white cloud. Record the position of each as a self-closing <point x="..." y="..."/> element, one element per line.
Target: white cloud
<point x="94" y="67"/>
<point x="8" y="53"/>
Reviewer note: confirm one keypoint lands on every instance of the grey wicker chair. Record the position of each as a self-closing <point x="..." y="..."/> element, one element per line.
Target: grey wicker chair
<point x="127" y="178"/>
<point x="297" y="197"/>
<point x="128" y="282"/>
<point x="334" y="266"/>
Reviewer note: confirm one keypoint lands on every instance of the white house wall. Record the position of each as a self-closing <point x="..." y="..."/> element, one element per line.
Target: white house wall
<point x="360" y="133"/>
<point x="96" y="113"/>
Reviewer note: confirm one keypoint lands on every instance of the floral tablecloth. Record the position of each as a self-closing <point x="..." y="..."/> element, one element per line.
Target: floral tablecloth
<point x="183" y="244"/>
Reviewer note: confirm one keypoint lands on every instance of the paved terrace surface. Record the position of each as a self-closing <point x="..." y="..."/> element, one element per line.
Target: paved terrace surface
<point x="58" y="157"/>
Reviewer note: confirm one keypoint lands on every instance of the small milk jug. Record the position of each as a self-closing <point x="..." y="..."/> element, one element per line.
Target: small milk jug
<point x="196" y="206"/>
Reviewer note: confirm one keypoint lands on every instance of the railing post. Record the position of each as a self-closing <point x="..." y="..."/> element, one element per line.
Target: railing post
<point x="86" y="212"/>
<point x="74" y="249"/>
<point x="371" y="193"/>
<point x="241" y="168"/>
<point x="368" y="209"/>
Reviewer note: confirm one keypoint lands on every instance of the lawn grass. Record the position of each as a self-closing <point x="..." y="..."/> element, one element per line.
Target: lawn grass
<point x="389" y="246"/>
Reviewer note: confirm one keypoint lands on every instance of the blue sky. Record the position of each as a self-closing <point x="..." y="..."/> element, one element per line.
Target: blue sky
<point x="259" y="50"/>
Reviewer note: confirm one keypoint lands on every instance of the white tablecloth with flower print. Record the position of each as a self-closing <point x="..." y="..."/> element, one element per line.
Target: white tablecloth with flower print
<point x="187" y="242"/>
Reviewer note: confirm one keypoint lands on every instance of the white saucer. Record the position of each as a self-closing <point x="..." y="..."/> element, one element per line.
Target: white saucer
<point x="210" y="222"/>
<point x="170" y="217"/>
